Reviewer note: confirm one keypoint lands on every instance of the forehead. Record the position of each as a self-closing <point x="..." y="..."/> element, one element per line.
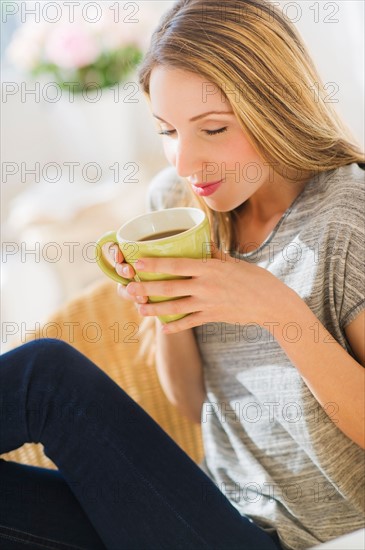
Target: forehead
<point x="176" y="90"/>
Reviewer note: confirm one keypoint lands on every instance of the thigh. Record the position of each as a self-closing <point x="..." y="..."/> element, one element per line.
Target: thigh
<point x="138" y="488"/>
<point x="38" y="510"/>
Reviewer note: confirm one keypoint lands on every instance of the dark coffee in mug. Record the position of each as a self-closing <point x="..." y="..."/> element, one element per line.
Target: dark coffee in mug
<point x="163" y="234"/>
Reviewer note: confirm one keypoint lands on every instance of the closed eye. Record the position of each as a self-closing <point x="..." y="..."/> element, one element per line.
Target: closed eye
<point x="208" y="132"/>
<point x="214" y="132"/>
<point x="166" y="132"/>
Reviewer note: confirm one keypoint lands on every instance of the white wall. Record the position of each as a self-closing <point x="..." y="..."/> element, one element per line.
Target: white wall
<point x="334" y="35"/>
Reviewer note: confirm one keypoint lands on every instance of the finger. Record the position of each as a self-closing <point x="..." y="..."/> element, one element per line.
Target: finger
<point x="169" y="288"/>
<point x="119" y="258"/>
<point x="141" y="299"/>
<point x="112" y="254"/>
<point x="173" y="266"/>
<point x="125" y="270"/>
<point x="189" y="321"/>
<point x="122" y="292"/>
<point x="169" y="307"/>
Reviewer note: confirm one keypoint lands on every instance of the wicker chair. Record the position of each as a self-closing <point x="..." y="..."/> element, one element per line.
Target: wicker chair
<point x="105" y="329"/>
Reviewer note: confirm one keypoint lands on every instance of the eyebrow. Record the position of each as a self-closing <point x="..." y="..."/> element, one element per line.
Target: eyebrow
<point x="197" y="117"/>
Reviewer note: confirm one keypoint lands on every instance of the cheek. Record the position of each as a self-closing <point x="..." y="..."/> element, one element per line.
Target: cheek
<point x="242" y="150"/>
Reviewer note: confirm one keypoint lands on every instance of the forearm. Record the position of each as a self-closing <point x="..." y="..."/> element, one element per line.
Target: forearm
<point x="180" y="371"/>
<point x="331" y="374"/>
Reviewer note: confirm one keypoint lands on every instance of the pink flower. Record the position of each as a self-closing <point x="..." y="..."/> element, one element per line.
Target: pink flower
<point x="71" y="46"/>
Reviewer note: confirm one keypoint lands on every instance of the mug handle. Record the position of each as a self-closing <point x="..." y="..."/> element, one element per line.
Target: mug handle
<point x="109" y="237"/>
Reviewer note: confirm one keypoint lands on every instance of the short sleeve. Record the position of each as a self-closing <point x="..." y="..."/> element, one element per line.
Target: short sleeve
<point x="167" y="190"/>
<point x="349" y="272"/>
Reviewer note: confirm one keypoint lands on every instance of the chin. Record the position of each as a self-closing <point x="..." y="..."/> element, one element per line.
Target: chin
<point x="223" y="208"/>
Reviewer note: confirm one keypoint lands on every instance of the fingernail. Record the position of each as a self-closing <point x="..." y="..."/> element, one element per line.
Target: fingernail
<point x="111" y="251"/>
<point x="125" y="271"/>
<point x="139" y="264"/>
<point x="131" y="288"/>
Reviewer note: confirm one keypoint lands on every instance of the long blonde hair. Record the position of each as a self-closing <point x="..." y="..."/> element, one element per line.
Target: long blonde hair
<point x="255" y="56"/>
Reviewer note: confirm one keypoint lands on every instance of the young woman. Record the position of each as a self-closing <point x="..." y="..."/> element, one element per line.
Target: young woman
<point x="269" y="358"/>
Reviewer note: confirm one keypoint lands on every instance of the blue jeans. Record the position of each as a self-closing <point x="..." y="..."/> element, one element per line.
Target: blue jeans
<point x="121" y="483"/>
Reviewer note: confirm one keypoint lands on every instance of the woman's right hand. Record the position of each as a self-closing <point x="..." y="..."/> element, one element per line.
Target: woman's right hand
<point x="124" y="270"/>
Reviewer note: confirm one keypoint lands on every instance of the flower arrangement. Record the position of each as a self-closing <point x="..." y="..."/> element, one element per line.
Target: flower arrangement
<point x="100" y="53"/>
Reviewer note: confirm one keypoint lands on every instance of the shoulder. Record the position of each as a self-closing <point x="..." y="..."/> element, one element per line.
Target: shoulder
<point x="342" y="194"/>
<point x="167" y="190"/>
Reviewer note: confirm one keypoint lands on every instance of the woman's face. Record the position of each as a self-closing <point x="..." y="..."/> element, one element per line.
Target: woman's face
<point x="203" y="139"/>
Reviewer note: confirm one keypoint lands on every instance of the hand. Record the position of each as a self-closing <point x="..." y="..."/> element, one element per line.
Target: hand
<point x="116" y="258"/>
<point x="219" y="290"/>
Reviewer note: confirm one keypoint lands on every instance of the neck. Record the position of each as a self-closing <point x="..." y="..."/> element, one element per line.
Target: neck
<point x="271" y="200"/>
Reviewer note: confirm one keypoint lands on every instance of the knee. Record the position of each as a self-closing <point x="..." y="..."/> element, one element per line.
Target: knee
<point x="48" y="350"/>
<point x="56" y="361"/>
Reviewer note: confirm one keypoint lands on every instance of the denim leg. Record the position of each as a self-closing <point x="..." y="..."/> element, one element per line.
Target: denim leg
<point x="38" y="511"/>
<point x="137" y="487"/>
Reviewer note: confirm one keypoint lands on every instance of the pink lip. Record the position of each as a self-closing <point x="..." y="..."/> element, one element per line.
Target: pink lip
<point x="206" y="189"/>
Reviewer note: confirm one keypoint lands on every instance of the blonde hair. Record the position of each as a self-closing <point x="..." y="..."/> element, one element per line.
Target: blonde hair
<point x="256" y="58"/>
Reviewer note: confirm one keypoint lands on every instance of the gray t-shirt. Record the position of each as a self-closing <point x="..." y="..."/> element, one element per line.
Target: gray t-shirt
<point x="269" y="445"/>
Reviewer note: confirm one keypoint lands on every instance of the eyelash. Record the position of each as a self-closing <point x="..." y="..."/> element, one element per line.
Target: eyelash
<point x="215" y="132"/>
<point x="209" y="132"/>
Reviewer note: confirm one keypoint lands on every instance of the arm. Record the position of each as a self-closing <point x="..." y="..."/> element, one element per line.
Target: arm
<point x="178" y="362"/>
<point x="180" y="371"/>
<point x="330" y="373"/>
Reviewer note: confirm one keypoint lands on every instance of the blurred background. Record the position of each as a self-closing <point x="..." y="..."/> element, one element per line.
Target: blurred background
<point x="77" y="158"/>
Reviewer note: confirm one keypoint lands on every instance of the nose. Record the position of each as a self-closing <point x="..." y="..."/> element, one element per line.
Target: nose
<point x="186" y="158"/>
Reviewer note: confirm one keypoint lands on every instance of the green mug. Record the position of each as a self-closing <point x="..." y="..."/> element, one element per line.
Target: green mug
<point x="173" y="232"/>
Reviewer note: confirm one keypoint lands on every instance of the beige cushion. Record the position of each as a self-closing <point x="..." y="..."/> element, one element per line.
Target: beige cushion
<point x="105" y="328"/>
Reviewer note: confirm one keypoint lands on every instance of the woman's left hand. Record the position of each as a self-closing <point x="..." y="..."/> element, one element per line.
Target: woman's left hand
<point x="221" y="289"/>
